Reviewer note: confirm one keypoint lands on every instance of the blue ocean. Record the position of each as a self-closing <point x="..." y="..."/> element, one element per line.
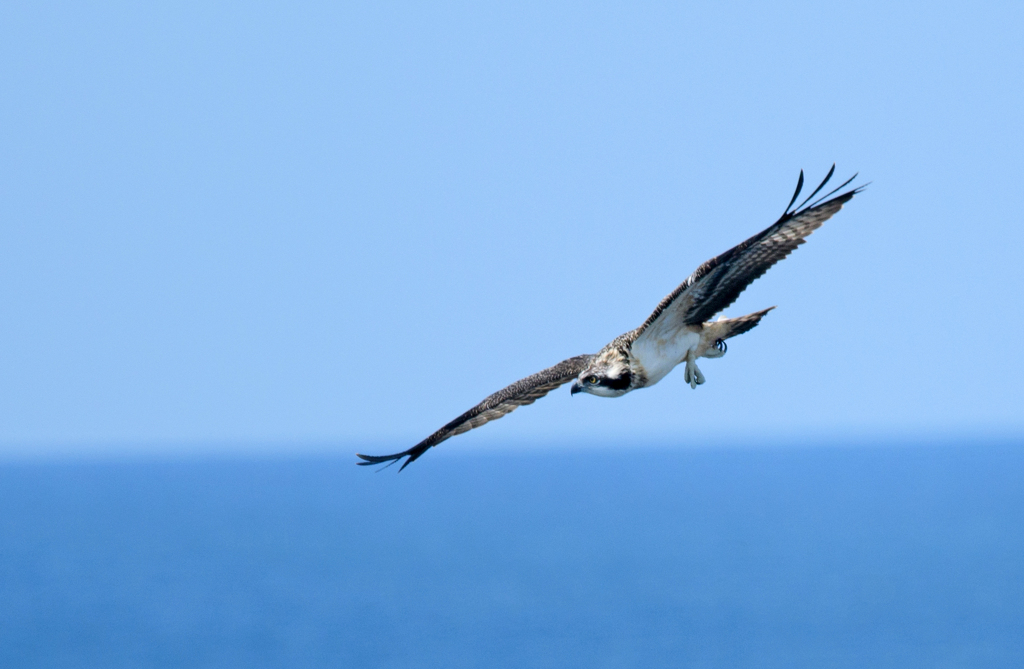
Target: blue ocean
<point x="874" y="556"/>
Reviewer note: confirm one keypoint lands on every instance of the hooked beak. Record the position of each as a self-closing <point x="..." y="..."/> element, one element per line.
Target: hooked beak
<point x="575" y="388"/>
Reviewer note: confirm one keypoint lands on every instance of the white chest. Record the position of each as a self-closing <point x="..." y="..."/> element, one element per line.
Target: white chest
<point x="659" y="356"/>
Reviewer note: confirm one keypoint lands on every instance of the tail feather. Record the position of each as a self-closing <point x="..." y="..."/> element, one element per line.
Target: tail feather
<point x="730" y="327"/>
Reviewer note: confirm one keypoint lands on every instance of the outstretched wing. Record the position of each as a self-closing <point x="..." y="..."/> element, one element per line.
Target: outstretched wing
<point x="522" y="392"/>
<point x="718" y="282"/>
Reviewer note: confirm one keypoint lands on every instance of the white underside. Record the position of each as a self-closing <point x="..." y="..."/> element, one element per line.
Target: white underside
<point x="660" y="356"/>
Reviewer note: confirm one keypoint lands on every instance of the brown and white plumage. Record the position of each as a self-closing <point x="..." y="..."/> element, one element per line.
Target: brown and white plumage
<point x="717" y="283"/>
<point x="505" y="401"/>
<point x="680" y="329"/>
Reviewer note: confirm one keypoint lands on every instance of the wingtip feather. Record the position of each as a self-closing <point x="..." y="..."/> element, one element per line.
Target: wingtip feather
<point x="820" y="186"/>
<point x="838" y="188"/>
<point x="413" y="453"/>
<point x="796" y="194"/>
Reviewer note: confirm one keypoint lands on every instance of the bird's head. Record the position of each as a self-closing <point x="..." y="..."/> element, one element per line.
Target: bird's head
<point x="606" y="376"/>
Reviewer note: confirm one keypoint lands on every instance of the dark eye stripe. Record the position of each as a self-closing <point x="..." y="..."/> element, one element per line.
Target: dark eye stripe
<point x="620" y="383"/>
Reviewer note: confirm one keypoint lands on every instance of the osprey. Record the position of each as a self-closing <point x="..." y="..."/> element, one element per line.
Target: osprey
<point x="679" y="331"/>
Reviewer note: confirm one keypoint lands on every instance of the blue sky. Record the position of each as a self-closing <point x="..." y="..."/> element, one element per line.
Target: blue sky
<point x="274" y="227"/>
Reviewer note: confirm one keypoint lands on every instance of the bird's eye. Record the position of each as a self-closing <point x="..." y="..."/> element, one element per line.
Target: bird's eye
<point x="592" y="380"/>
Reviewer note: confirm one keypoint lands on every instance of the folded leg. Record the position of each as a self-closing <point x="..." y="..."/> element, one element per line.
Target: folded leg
<point x="692" y="374"/>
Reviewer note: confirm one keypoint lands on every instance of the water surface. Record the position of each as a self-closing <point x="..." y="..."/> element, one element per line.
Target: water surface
<point x="771" y="557"/>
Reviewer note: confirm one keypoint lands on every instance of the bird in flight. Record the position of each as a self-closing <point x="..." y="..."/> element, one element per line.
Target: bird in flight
<point x="679" y="331"/>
